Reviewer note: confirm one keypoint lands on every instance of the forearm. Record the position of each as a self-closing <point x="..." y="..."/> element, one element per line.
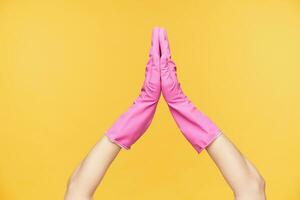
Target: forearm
<point x="242" y="176"/>
<point x="126" y="130"/>
<point x="88" y="175"/>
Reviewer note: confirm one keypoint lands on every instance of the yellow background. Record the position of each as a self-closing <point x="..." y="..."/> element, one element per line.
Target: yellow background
<point x="68" y="69"/>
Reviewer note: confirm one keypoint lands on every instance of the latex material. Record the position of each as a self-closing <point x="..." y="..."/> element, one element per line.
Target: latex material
<point x="198" y="129"/>
<point x="132" y="124"/>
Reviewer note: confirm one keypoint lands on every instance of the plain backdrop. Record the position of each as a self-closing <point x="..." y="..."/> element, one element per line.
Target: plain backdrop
<point x="69" y="69"/>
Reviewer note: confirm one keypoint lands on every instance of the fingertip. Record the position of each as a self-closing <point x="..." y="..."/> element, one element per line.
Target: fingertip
<point x="155" y="28"/>
<point x="155" y="31"/>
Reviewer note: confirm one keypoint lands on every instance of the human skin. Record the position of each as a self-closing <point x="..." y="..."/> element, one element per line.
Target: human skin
<point x="241" y="175"/>
<point x="89" y="173"/>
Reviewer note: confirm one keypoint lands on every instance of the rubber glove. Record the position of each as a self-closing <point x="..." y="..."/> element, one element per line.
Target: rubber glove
<point x="133" y="123"/>
<point x="197" y="128"/>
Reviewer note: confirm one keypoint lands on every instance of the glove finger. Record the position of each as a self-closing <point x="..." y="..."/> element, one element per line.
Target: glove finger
<point x="166" y="73"/>
<point x="164" y="44"/>
<point x="154" y="50"/>
<point x="152" y="71"/>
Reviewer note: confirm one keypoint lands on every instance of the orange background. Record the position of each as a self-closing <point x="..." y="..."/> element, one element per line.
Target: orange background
<point x="68" y="69"/>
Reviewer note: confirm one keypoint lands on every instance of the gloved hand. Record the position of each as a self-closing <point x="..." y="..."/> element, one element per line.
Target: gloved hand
<point x="132" y="124"/>
<point x="198" y="129"/>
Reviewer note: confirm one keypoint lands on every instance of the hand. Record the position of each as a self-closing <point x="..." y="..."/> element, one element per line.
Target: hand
<point x="132" y="124"/>
<point x="198" y="129"/>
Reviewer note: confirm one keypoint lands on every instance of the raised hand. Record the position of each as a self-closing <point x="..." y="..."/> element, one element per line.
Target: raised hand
<point x="132" y="124"/>
<point x="241" y="175"/>
<point x="198" y="129"/>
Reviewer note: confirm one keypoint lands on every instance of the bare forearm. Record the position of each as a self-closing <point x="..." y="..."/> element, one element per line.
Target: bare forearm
<point x="242" y="176"/>
<point x="88" y="175"/>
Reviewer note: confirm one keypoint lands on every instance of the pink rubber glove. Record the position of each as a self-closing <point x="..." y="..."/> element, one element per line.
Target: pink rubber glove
<point x="198" y="129"/>
<point x="132" y="124"/>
